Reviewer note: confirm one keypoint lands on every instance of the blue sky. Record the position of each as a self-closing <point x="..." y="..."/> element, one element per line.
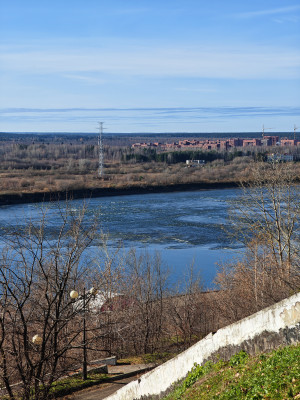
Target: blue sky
<point x="149" y="66"/>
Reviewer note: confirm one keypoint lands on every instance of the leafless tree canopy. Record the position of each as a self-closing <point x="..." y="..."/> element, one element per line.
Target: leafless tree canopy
<point x="266" y="220"/>
<point x="41" y="327"/>
<point x="36" y="276"/>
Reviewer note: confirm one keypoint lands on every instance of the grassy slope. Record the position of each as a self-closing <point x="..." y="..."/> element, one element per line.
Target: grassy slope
<point x="275" y="375"/>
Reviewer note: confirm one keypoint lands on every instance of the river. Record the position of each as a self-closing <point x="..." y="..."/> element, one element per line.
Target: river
<point x="185" y="227"/>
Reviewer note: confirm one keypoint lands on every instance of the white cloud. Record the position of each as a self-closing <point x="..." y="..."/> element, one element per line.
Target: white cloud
<point x="150" y="119"/>
<point x="273" y="11"/>
<point x="290" y="19"/>
<point x="197" y="89"/>
<point x="85" y="78"/>
<point x="239" y="62"/>
<point x="131" y="11"/>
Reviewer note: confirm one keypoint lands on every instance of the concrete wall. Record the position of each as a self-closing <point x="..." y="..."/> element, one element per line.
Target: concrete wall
<point x="107" y="361"/>
<point x="265" y="330"/>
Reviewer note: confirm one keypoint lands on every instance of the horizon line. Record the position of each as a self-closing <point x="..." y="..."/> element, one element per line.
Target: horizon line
<point x="137" y="133"/>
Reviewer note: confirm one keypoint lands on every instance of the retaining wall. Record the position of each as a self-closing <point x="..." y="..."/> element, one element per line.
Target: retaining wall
<point x="267" y="329"/>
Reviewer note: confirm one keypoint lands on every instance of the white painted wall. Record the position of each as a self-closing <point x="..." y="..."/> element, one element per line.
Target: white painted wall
<point x="272" y="319"/>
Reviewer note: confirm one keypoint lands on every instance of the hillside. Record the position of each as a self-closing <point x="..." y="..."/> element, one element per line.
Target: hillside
<point x="275" y="375"/>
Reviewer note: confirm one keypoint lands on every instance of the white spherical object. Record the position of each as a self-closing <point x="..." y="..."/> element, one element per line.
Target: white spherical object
<point x="37" y="339"/>
<point x="73" y="294"/>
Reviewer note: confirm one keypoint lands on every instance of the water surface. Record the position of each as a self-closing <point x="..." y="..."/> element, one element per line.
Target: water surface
<point x="185" y="227"/>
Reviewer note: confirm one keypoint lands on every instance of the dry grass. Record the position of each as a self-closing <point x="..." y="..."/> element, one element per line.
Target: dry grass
<point x="122" y="176"/>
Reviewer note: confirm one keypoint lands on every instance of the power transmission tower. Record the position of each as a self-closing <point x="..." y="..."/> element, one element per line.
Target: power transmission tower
<point x="100" y="149"/>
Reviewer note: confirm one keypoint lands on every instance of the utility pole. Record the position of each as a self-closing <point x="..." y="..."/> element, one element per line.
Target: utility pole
<point x="100" y="149"/>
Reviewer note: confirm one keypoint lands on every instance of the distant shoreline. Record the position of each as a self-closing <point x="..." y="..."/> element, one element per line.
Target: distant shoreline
<point x="38" y="197"/>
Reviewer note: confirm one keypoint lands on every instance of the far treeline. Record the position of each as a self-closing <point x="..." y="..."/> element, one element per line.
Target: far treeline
<point x="175" y="156"/>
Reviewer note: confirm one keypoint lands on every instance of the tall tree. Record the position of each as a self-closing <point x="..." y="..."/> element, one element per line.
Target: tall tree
<point x="268" y="214"/>
<point x="266" y="220"/>
<point x="39" y="325"/>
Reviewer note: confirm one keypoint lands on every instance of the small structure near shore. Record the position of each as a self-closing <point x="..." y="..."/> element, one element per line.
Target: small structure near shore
<point x="280" y="157"/>
<point x="195" y="163"/>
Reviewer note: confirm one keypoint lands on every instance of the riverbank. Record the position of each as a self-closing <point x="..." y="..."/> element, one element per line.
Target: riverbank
<point x="37" y="197"/>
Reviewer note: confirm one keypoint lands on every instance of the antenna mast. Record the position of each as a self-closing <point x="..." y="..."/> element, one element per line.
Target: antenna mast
<point x="295" y="128"/>
<point x="100" y="149"/>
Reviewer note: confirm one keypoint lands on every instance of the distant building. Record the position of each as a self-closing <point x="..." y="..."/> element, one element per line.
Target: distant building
<point x="288" y="142"/>
<point x="251" y="142"/>
<point x="220" y="144"/>
<point x="266" y="142"/>
<point x="235" y="142"/>
<point x="273" y="140"/>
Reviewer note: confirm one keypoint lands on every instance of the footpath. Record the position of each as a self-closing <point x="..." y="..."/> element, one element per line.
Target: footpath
<point x="127" y="373"/>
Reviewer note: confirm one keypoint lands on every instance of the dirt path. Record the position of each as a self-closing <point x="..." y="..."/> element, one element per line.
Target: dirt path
<point x="103" y="390"/>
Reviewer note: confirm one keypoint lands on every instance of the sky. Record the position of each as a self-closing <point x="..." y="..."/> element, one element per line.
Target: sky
<point x="149" y="65"/>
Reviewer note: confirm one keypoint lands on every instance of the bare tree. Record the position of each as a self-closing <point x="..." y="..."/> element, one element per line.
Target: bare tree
<point x="111" y="300"/>
<point x="266" y="220"/>
<point x="146" y="285"/>
<point x="269" y="212"/>
<point x="186" y="311"/>
<point x="40" y="329"/>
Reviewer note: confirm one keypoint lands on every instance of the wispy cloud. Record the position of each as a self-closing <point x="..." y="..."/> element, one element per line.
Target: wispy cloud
<point x="166" y="119"/>
<point x="207" y="62"/>
<point x="272" y="11"/>
<point x="286" y="19"/>
<point x="131" y="11"/>
<point x="85" y="78"/>
<point x="196" y="89"/>
<point x="158" y="111"/>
